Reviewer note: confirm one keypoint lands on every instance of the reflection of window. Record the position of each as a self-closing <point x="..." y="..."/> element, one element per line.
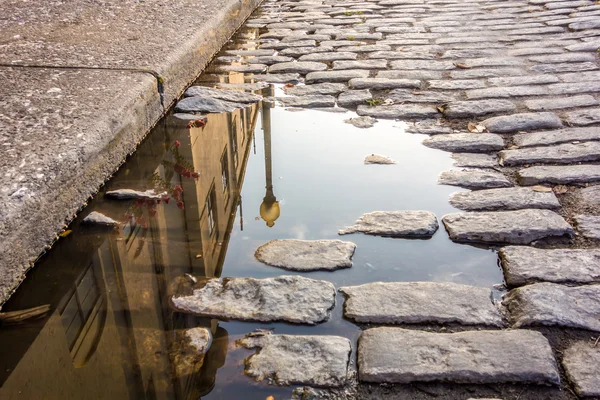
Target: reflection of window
<point x="224" y="171"/>
<point x="211" y="210"/>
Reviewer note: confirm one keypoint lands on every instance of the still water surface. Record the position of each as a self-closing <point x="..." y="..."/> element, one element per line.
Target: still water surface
<point x="264" y="173"/>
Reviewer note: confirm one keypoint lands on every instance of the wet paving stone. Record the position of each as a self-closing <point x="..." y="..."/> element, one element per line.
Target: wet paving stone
<point x="320" y="361"/>
<point x="475" y="160"/>
<point x="225" y="95"/>
<point x="316" y="89"/>
<point x="524" y="265"/>
<point x="292" y="299"/>
<point x="395" y="355"/>
<point x="522" y="122"/>
<point x="516" y="198"/>
<point x="559" y="175"/>
<point x="277" y="78"/>
<point x="384" y="83"/>
<point x="582" y="366"/>
<point x="340" y="55"/>
<point x="306" y="255"/>
<point x="314" y="100"/>
<point x="206" y="105"/>
<point x="466" y="142"/>
<point x="99" y="219"/>
<point x="477" y="108"/>
<point x="420" y="303"/>
<point x="514" y="227"/>
<point x="566" y="153"/>
<point x="398" y="111"/>
<point x="395" y="224"/>
<point x="301" y="67"/>
<point x="353" y="98"/>
<point x="474" y="179"/>
<point x="551" y="304"/>
<point x="335" y="76"/>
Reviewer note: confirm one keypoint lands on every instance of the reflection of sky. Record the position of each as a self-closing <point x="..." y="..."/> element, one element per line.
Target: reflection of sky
<point x="322" y="185"/>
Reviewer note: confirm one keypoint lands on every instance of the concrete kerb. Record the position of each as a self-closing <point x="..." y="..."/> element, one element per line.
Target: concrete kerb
<point x="111" y="128"/>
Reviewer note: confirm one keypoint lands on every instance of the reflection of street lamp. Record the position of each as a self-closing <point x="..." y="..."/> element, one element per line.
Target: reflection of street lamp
<point x="269" y="209"/>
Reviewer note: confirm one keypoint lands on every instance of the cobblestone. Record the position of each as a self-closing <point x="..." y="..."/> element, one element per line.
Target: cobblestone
<point x="522" y="122"/>
<point x="354" y="97"/>
<point x="503" y="199"/>
<point x="559" y="103"/>
<point x="398" y="111"/>
<point x="474" y="179"/>
<point x="547" y="138"/>
<point x="466" y="142"/>
<point x="335" y="76"/>
<point x="582" y="365"/>
<point x="383" y="83"/>
<point x="566" y="153"/>
<point x="477" y="108"/>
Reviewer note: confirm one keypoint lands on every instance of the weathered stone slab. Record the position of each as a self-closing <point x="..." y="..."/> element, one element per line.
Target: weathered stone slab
<point x="277" y="78"/>
<point x="395" y="355"/>
<point x="395" y="224"/>
<point x="243" y="86"/>
<point x="129" y="194"/>
<point x="422" y="64"/>
<point x="319" y="88"/>
<point x="333" y="56"/>
<point x="420" y="303"/>
<point x="566" y="153"/>
<point x="466" y="109"/>
<point x="561" y="102"/>
<point x="564" y="67"/>
<point x="588" y="225"/>
<point x="249" y="68"/>
<point x="226" y="95"/>
<point x="507" y="92"/>
<point x="361" y="122"/>
<point x="286" y="45"/>
<point x="522" y="122"/>
<point x="96" y="218"/>
<point x="320" y="361"/>
<point x="591" y="195"/>
<point x="485" y="73"/>
<point x="270" y="60"/>
<point x="354" y="97"/>
<point x="301" y="67"/>
<point x="335" y="76"/>
<point x="378" y="159"/>
<point x="458" y="84"/>
<point x="409" y="74"/>
<point x="417" y="96"/>
<point x="582" y="365"/>
<point x="383" y="83"/>
<point x="466" y="142"/>
<point x="583" y="117"/>
<point x="292" y="299"/>
<point x="547" y="138"/>
<point x="592" y="45"/>
<point x="359" y="64"/>
<point x="367" y="48"/>
<point x="524" y="265"/>
<point x="314" y="100"/>
<point x="523" y="80"/>
<point x="206" y="105"/>
<point x="516" y="198"/>
<point x="559" y="175"/>
<point x="301" y="51"/>
<point x="474" y="179"/>
<point x="401" y="55"/>
<point x="515" y="227"/>
<point x="398" y="111"/>
<point x="554" y="305"/>
<point x="475" y="160"/>
<point x="306" y="255"/>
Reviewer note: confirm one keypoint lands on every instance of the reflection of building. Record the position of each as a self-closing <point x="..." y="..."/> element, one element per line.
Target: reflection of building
<point x="111" y="330"/>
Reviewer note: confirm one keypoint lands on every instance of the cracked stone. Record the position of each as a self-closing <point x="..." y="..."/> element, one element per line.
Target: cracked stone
<point x="354" y="97"/>
<point x="307" y="101"/>
<point x="582" y="365"/>
<point x="301" y="67"/>
<point x="566" y="153"/>
<point x="588" y="225"/>
<point x="466" y="142"/>
<point x="292" y="299"/>
<point x="320" y="88"/>
<point x="559" y="175"/>
<point x="466" y="109"/>
<point x="516" y="198"/>
<point x="307" y="255"/>
<point x="547" y="138"/>
<point x="223" y="95"/>
<point x="474" y="179"/>
<point x="514" y="227"/>
<point x="395" y="355"/>
<point x="335" y="76"/>
<point x="361" y="122"/>
<point x="378" y="159"/>
<point x="420" y="303"/>
<point x="554" y="305"/>
<point x="524" y="265"/>
<point x="320" y="361"/>
<point x="522" y="122"/>
<point x="395" y="224"/>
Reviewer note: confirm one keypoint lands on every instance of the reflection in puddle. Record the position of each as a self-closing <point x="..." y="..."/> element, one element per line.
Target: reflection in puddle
<point x="263" y="173"/>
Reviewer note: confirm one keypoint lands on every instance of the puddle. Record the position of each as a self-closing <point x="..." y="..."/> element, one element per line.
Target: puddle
<point x="264" y="173"/>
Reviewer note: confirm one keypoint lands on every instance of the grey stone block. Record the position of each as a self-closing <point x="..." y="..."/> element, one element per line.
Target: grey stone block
<point x="503" y="199"/>
<point x="474" y="179"/>
<point x="566" y="153"/>
<point x="559" y="175"/>
<point x="466" y="142"/>
<point x="522" y="122"/>
<point x="395" y="224"/>
<point x="477" y="108"/>
<point x="582" y="365"/>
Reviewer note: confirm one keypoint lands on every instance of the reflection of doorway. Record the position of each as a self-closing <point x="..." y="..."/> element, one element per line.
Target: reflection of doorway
<point x="83" y="315"/>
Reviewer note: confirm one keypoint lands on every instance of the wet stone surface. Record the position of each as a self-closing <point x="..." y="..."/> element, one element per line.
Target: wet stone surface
<point x="554" y="305"/>
<point x="316" y="89"/>
<point x="566" y="153"/>
<point x="547" y="138"/>
<point x="226" y="95"/>
<point x="582" y="365"/>
<point x="525" y="265"/>
<point x="307" y="255"/>
<point x="420" y="303"/>
<point x="395" y="224"/>
<point x="475" y="160"/>
<point x="394" y="355"/>
<point x="466" y="142"/>
<point x="285" y="298"/>
<point x="314" y="100"/>
<point x="560" y="175"/>
<point x="522" y="122"/>
<point x="503" y="199"/>
<point x="474" y="179"/>
<point x="514" y="227"/>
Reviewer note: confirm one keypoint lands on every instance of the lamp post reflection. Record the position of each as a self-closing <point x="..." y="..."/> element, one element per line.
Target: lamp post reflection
<point x="269" y="209"/>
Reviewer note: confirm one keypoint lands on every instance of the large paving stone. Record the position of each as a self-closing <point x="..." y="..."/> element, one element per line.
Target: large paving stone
<point x="474" y="179"/>
<point x="516" y="198"/>
<point x="384" y="83"/>
<point x="466" y="109"/>
<point x="524" y="265"/>
<point x="335" y="76"/>
<point x="588" y="225"/>
<point x="460" y="84"/>
<point x="284" y="298"/>
<point x="352" y="98"/>
<point x="417" y="96"/>
<point x="395" y="355"/>
<point x="591" y="195"/>
<point x="307" y="255"/>
<point x="582" y="365"/>
<point x="585" y="117"/>
<point x="226" y="95"/>
<point x="395" y="224"/>
<point x="359" y="64"/>
<point x="398" y="111"/>
<point x="301" y="67"/>
<point x="420" y="303"/>
<point x="422" y="64"/>
<point x="466" y="142"/>
<point x="522" y="122"/>
<point x="559" y="175"/>
<point x="314" y="100"/>
<point x="547" y="138"/>
<point x="515" y="227"/>
<point x="566" y="153"/>
<point x="277" y="78"/>
<point x="475" y="160"/>
<point x="554" y="305"/>
<point x="320" y="361"/>
<point x="561" y="102"/>
<point x="206" y="105"/>
<point x="333" y="56"/>
<point x="319" y="88"/>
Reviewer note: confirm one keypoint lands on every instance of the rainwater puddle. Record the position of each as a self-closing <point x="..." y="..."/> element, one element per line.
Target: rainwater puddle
<point x="265" y="173"/>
